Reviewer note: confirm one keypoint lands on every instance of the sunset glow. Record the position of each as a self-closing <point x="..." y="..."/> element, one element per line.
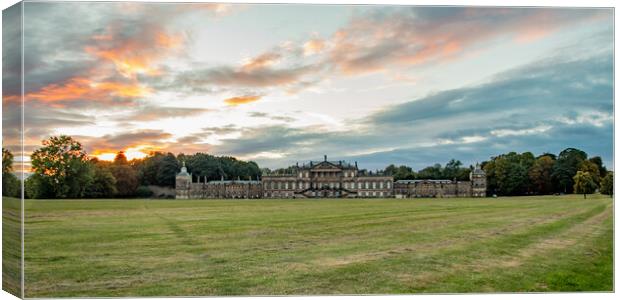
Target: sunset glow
<point x="131" y="153"/>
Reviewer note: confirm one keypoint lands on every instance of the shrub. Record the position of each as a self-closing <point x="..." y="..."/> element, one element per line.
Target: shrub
<point x="143" y="192"/>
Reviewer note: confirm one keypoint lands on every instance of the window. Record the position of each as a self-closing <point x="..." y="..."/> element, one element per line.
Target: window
<point x="381" y="185"/>
<point x="366" y="185"/>
<point x="374" y="185"/>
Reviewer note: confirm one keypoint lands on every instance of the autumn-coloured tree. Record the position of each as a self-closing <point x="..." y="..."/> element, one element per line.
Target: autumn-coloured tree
<point x="584" y="184"/>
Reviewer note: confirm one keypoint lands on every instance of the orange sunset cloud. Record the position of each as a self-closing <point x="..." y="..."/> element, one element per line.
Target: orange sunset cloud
<point x="234" y="101"/>
<point x="79" y="88"/>
<point x="135" y="56"/>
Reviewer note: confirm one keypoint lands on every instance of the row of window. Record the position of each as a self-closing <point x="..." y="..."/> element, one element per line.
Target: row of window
<point x="326" y="194"/>
<point x="279" y="185"/>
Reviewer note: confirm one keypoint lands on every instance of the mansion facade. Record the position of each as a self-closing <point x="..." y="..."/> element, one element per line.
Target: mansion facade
<point x="328" y="179"/>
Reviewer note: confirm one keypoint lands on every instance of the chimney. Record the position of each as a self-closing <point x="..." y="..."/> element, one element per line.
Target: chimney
<point x="325" y="157"/>
<point x="356" y="164"/>
<point x="222" y="178"/>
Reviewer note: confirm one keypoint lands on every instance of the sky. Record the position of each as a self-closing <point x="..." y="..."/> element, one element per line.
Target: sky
<point x="279" y="84"/>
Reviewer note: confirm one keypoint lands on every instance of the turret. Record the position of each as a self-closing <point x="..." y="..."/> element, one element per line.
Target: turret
<point x="478" y="180"/>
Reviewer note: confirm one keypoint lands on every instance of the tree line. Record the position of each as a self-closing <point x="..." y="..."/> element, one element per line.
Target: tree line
<point x="512" y="174"/>
<point x="571" y="171"/>
<point x="62" y="169"/>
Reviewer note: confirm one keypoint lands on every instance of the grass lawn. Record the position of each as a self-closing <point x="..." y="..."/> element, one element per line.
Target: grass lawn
<point x="336" y="246"/>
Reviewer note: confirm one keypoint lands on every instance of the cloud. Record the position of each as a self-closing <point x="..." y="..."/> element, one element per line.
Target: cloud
<point x="255" y="78"/>
<point x="256" y="114"/>
<point x="313" y="46"/>
<point x="537" y="107"/>
<point x="154" y="113"/>
<point x="135" y="49"/>
<point x="260" y="62"/>
<point x="421" y="35"/>
<point x="99" y="56"/>
<point x="150" y="139"/>
<point x="84" y="89"/>
<point x="234" y="101"/>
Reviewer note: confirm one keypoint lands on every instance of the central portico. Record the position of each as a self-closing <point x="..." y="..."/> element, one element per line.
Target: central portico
<point x="326" y="179"/>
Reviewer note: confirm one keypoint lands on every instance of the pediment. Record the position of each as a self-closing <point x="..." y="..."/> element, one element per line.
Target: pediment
<point x="326" y="166"/>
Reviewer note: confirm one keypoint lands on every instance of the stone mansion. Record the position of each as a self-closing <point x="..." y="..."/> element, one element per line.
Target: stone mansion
<point x="328" y="179"/>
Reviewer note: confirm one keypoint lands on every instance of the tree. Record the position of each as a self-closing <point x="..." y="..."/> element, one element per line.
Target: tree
<point x="400" y="173"/>
<point x="566" y="167"/>
<point x="126" y="176"/>
<point x="584" y="184"/>
<point x="167" y="171"/>
<point x="7" y="161"/>
<point x="452" y="168"/>
<point x="607" y="184"/>
<point x="61" y="169"/>
<point x="10" y="183"/>
<point x="540" y="175"/>
<point x="598" y="161"/>
<point x="148" y="169"/>
<point x="507" y="174"/>
<point x="592" y="168"/>
<point x="431" y="172"/>
<point x="104" y="182"/>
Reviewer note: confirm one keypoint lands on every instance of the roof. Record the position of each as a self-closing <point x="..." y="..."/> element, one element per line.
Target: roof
<point x="234" y="182"/>
<point x="478" y="170"/>
<point x="338" y="164"/>
<point x="184" y="172"/>
<point x="425" y="180"/>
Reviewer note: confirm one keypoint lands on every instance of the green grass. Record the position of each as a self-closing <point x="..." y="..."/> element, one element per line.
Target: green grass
<point x="11" y="245"/>
<point x="295" y="247"/>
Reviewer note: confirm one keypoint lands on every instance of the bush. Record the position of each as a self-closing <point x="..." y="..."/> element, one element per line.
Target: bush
<point x="143" y="192"/>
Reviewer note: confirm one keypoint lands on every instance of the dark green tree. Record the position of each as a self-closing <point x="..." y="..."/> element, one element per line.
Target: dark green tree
<point x="10" y="182"/>
<point x="566" y="167"/>
<point x="507" y="174"/>
<point x="104" y="182"/>
<point x="452" y="169"/>
<point x="167" y="171"/>
<point x="431" y="172"/>
<point x="126" y="177"/>
<point x="149" y="168"/>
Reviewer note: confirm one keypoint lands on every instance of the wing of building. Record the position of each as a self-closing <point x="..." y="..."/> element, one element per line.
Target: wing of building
<point x="328" y="179"/>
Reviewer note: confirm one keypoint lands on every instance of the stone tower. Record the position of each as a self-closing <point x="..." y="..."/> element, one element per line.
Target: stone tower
<point x="183" y="183"/>
<point x="478" y="180"/>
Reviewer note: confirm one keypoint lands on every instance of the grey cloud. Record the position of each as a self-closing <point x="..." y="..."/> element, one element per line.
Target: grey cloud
<point x="271" y="117"/>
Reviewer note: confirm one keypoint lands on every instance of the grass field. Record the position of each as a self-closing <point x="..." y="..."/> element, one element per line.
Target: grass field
<point x="295" y="247"/>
